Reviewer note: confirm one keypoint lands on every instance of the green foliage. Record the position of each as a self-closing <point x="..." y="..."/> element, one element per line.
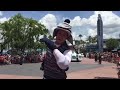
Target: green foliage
<point x="22" y="33"/>
<point x="91" y="39"/>
<point x="112" y="43"/>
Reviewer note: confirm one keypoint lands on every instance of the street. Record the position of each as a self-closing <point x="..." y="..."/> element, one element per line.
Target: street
<point x="32" y="70"/>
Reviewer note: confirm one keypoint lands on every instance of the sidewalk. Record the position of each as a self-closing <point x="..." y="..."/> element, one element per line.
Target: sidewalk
<point x="4" y="76"/>
<point x="103" y="72"/>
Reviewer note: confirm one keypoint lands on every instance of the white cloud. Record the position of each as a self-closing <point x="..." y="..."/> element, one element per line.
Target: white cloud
<point x="76" y="21"/>
<point x="84" y="37"/>
<point x="87" y="26"/>
<point x="49" y="21"/>
<point x="74" y="35"/>
<point x="92" y="32"/>
<point x="106" y="36"/>
<point x="1" y="13"/>
<point x="2" y="20"/>
<point x="111" y="24"/>
<point x="84" y="21"/>
<point x="111" y="30"/>
<point x="109" y="19"/>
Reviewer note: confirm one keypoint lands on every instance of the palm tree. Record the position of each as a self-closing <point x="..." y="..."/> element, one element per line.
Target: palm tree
<point x="94" y="39"/>
<point x="90" y="39"/>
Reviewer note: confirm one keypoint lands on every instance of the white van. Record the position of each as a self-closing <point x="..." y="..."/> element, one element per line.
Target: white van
<point x="76" y="57"/>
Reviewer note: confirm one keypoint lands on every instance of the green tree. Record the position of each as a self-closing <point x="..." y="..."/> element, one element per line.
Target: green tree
<point x="34" y="30"/>
<point x="91" y="39"/>
<point x="112" y="43"/>
<point x="50" y="37"/>
<point x="77" y="42"/>
<point x="94" y="39"/>
<point x="5" y="32"/>
<point x="83" y="42"/>
<point x="22" y="33"/>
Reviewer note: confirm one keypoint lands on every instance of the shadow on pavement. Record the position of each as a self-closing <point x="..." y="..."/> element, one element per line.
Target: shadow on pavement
<point x="105" y="78"/>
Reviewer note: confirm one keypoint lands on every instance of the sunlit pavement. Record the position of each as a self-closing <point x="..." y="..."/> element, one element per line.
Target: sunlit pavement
<point x="4" y="76"/>
<point x="87" y="69"/>
<point x="107" y="71"/>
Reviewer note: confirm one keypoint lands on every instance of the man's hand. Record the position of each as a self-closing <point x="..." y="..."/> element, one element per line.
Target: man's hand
<point x="50" y="44"/>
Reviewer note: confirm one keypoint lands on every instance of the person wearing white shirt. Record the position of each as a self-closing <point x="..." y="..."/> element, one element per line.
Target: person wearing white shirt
<point x="59" y="54"/>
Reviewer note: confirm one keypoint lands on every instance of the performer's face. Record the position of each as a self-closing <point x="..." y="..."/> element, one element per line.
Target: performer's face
<point x="61" y="36"/>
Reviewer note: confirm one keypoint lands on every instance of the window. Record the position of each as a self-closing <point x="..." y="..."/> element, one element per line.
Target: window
<point x="73" y="57"/>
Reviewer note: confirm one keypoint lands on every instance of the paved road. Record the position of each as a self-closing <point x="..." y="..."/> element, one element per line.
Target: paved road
<point x="34" y="68"/>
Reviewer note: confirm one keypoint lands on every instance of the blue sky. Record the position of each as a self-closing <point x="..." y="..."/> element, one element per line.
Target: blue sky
<point x="39" y="14"/>
<point x="83" y="22"/>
